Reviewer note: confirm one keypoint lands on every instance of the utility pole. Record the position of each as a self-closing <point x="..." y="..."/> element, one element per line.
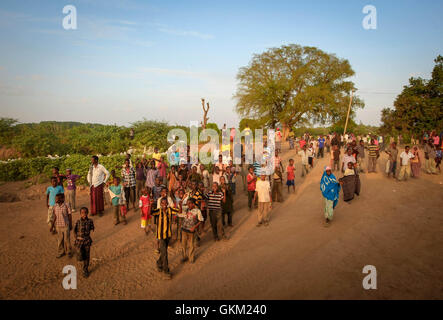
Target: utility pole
<point x="349" y="111"/>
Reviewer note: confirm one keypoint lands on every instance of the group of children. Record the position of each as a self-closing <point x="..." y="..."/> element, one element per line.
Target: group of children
<point x="60" y="219"/>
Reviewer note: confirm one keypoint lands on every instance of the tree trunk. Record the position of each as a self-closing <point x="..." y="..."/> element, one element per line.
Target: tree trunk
<point x="205" y="113"/>
<point x="285" y="131"/>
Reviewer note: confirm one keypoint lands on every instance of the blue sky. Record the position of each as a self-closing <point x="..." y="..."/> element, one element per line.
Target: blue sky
<point x="130" y="60"/>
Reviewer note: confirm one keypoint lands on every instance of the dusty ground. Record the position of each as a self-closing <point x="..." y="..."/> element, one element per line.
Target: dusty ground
<point x="395" y="226"/>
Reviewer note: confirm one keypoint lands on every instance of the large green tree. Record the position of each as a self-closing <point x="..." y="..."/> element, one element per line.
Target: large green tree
<point x="419" y="107"/>
<point x="293" y="85"/>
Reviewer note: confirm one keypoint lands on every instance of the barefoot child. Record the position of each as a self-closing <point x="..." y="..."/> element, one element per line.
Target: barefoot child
<point x="51" y="192"/>
<point x="164" y="233"/>
<point x="311" y="153"/>
<point x="71" y="188"/>
<point x="180" y="202"/>
<point x="145" y="208"/>
<point x="192" y="218"/>
<point x="63" y="223"/>
<point x="290" y="178"/>
<point x="110" y="182"/>
<point x="83" y="241"/>
<point x="118" y="201"/>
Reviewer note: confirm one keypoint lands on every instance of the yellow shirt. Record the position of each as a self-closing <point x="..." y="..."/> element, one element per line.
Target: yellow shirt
<point x="156" y="156"/>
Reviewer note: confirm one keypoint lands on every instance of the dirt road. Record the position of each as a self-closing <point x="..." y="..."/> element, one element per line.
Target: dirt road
<point x="395" y="226"/>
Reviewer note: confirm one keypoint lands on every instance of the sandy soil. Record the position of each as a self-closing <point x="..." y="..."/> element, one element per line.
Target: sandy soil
<point x="395" y="226"/>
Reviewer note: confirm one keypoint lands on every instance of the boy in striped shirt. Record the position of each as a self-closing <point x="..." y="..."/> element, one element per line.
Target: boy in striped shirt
<point x="164" y="233"/>
<point x="215" y="198"/>
<point x="373" y="156"/>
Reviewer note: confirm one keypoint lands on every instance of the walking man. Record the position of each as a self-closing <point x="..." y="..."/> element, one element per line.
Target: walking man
<point x="392" y="152"/>
<point x="373" y="156"/>
<point x="263" y="193"/>
<point x="430" y="156"/>
<point x="405" y="169"/>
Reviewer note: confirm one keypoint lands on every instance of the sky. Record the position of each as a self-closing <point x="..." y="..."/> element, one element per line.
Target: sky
<point x="134" y="59"/>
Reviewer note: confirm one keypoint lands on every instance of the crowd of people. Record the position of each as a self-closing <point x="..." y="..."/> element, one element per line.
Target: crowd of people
<point x="174" y="202"/>
<point x="175" y="199"/>
<point x="353" y="162"/>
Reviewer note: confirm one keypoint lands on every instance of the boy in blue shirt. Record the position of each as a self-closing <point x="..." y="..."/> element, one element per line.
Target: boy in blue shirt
<point x="51" y="192"/>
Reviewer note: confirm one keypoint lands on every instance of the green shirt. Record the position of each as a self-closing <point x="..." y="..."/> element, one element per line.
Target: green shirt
<point x="116" y="190"/>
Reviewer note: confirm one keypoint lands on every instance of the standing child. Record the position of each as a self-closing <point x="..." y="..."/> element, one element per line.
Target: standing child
<point x="180" y="203"/>
<point x="336" y="158"/>
<point x="232" y="177"/>
<point x="311" y="153"/>
<point x="172" y="178"/>
<point x="162" y="167"/>
<point x="71" y="188"/>
<point x="60" y="177"/>
<point x="140" y="178"/>
<point x="118" y="201"/>
<point x="62" y="222"/>
<point x="438" y="156"/>
<point x="192" y="219"/>
<point x="251" y="180"/>
<point x="83" y="241"/>
<point x="110" y="182"/>
<point x="290" y="178"/>
<point x="277" y="185"/>
<point x="145" y="207"/>
<point x="228" y="204"/>
<point x="51" y="193"/>
<point x="165" y="215"/>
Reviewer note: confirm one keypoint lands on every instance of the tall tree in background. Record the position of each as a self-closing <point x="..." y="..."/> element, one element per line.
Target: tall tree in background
<point x="293" y="85"/>
<point x="419" y="107"/>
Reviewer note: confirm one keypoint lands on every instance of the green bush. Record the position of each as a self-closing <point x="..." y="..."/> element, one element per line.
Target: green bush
<point x="23" y="169"/>
<point x="61" y="138"/>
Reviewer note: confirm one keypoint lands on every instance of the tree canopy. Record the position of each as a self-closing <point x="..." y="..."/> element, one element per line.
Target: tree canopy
<point x="419" y="107"/>
<point x="295" y="85"/>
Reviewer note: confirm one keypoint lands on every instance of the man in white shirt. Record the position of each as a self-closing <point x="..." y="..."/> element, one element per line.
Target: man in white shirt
<point x="263" y="192"/>
<point x="97" y="177"/>
<point x="405" y="168"/>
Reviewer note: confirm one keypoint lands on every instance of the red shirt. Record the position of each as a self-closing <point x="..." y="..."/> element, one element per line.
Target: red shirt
<point x="145" y="205"/>
<point x="251" y="185"/>
<point x="290" y="171"/>
<point x="162" y="169"/>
